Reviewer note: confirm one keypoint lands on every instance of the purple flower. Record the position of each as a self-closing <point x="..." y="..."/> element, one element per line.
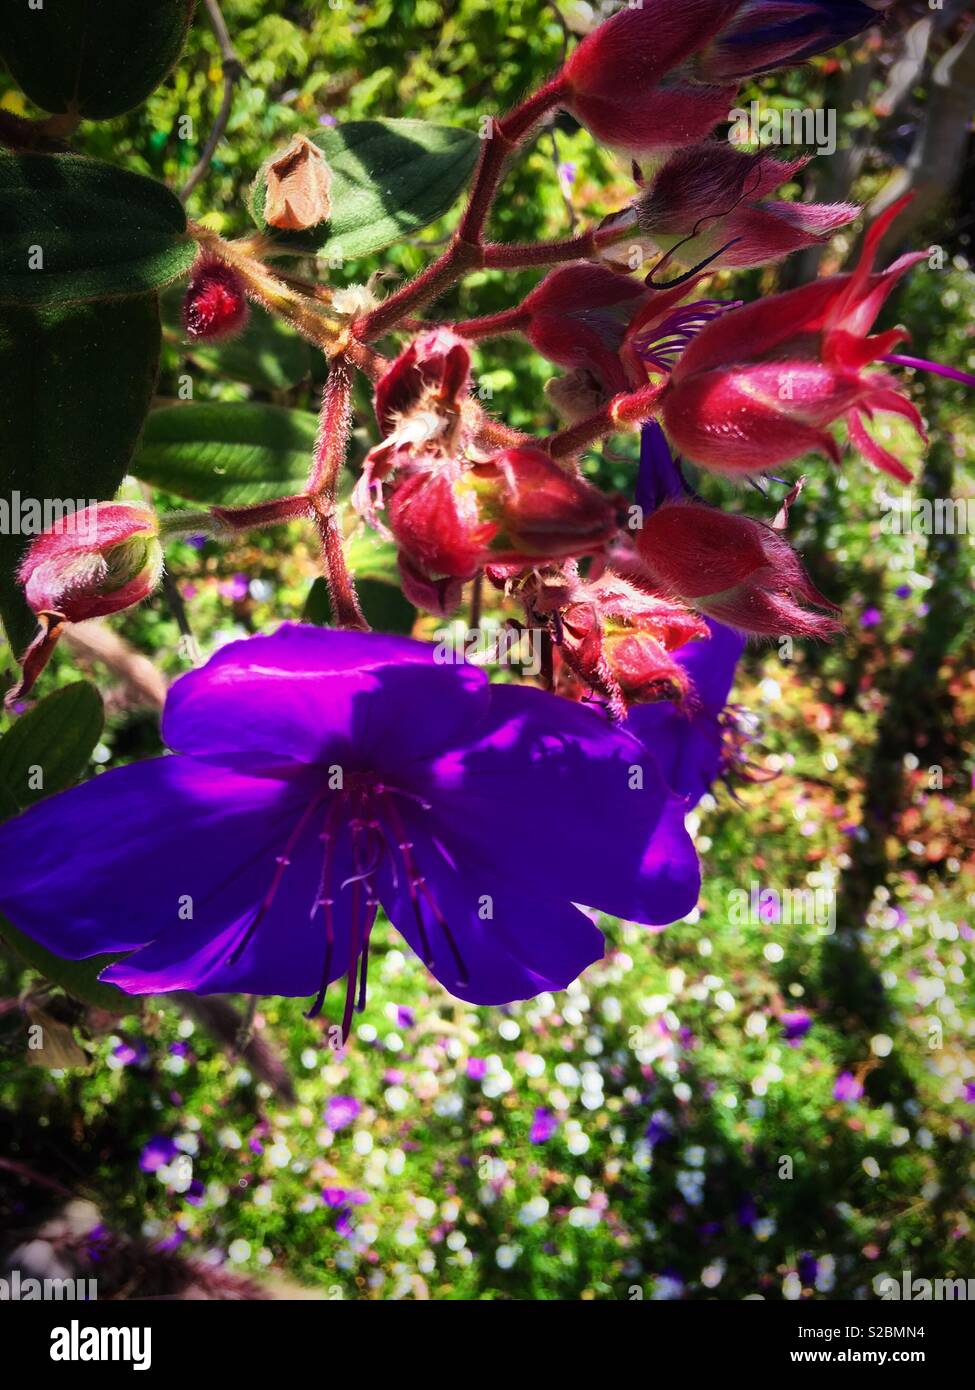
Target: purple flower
<point x="129" y="1055"/>
<point x="870" y="617"/>
<point x="659" y="477"/>
<point x="341" y="1111"/>
<point x="321" y="773"/>
<point x="544" y="1125"/>
<point x="795" y="1025"/>
<point x="344" y="1197"/>
<point x="157" y="1153"/>
<point x="476" y="1068"/>
<point x="689" y="744"/>
<point x="847" y="1087"/>
<point x="660" y="1127"/>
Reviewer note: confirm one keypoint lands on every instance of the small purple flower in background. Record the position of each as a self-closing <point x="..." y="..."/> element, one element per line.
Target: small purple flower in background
<point x="847" y="1087"/>
<point x="157" y="1153"/>
<point x="567" y="175"/>
<point x="807" y="1267"/>
<point x="870" y="617"/>
<point x="476" y="1068"/>
<point x="129" y="1055"/>
<point x="321" y="773"/>
<point x="769" y="908"/>
<point x="970" y="1092"/>
<point x="544" y="1125"/>
<point x="796" y="1023"/>
<point x="344" y="1197"/>
<point x="660" y="1127"/>
<point x="341" y="1111"/>
<point x="405" y="1018"/>
<point x="327" y="120"/>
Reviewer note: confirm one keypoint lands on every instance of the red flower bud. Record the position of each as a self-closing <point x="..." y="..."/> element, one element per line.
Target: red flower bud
<point x="732" y="568"/>
<point x="424" y="411"/>
<point x="615" y="638"/>
<point x="714" y="192"/>
<point x="542" y="510"/>
<point x="102" y="559"/>
<point x="578" y="317"/>
<point x="758" y="386"/>
<point x="627" y="80"/>
<point x="436" y="519"/>
<point x="215" y="305"/>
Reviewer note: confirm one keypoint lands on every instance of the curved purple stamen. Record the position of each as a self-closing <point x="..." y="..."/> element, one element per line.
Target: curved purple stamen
<point x="662" y="344"/>
<point x="897" y="359"/>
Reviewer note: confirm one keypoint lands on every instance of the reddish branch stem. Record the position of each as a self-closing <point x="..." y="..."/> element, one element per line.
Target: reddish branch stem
<point x="334" y="428"/>
<point x="622" y="412"/>
<point x="465" y="251"/>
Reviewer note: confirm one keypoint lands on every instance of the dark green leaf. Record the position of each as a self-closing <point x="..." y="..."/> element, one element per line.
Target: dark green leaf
<point x="389" y="178"/>
<point x="77" y="382"/>
<point x="383" y="604"/>
<point x="74" y="229"/>
<point x="78" y="977"/>
<point x="48" y="748"/>
<point x="94" y="57"/>
<point x="385" y="607"/>
<point x="227" y="454"/>
<point x="318" y="608"/>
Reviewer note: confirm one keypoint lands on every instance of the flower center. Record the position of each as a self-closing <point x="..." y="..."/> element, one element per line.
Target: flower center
<point x="369" y="809"/>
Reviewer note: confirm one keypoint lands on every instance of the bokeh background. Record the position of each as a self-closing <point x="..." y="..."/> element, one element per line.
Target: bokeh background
<point x="717" y="1110"/>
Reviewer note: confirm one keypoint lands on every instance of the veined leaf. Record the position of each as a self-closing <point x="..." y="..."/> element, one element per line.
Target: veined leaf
<point x="47" y="749"/>
<point x="229" y="454"/>
<point x="74" y="229"/>
<point x="389" y="178"/>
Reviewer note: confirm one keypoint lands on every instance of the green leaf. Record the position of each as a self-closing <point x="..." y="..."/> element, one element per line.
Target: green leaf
<point x="78" y="977"/>
<point x="385" y="607"/>
<point x="389" y="178"/>
<point x="77" y="382"/>
<point x="51" y="744"/>
<point x="228" y="454"/>
<point x="317" y="609"/>
<point x="58" y="736"/>
<point x="268" y="355"/>
<point x="74" y="229"/>
<point x="97" y="58"/>
<point x="383" y="604"/>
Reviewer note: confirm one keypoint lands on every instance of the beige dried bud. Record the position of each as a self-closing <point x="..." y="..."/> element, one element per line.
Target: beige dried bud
<point x="298" y="187"/>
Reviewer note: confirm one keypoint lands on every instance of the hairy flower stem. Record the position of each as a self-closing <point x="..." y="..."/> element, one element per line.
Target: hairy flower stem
<point x="621" y="413"/>
<point x="522" y="255"/>
<point x="334" y="427"/>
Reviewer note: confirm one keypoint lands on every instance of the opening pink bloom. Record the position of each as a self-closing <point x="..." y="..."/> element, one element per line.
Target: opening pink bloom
<point x="759" y="385"/>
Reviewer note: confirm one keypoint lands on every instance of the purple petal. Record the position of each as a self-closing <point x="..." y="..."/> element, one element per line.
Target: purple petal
<point x="510" y="943"/>
<point x="117" y="862"/>
<point x="553" y="798"/>
<point x="303" y="695"/>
